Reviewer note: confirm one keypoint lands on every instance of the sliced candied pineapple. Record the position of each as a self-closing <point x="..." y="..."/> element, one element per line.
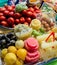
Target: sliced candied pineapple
<point x="35" y="24"/>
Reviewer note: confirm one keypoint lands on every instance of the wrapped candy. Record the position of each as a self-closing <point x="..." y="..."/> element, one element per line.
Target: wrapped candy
<point x="52" y="3"/>
<point x="47" y="9"/>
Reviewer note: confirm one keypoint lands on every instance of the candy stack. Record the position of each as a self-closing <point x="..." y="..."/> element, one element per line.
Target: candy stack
<point x="32" y="46"/>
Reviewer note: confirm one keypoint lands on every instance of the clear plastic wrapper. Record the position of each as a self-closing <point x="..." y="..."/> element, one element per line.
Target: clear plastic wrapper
<point x="52" y="3"/>
<point x="48" y="10"/>
<point x="51" y="15"/>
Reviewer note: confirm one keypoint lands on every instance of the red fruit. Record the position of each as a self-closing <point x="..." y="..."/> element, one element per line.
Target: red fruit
<point x="13" y="6"/>
<point x="26" y="23"/>
<point x="6" y="6"/>
<point x="17" y="21"/>
<point x="6" y="12"/>
<point x="37" y="11"/>
<point x="11" y="14"/>
<point x="32" y="54"/>
<point x="13" y="25"/>
<point x="34" y="15"/>
<point x="2" y="9"/>
<point x="36" y="8"/>
<point x="2" y="18"/>
<point x="31" y="9"/>
<point x="10" y="21"/>
<point x="1" y="14"/>
<point x="22" y="20"/>
<point x="28" y="19"/>
<point x="4" y="23"/>
<point x="24" y="12"/>
<point x="10" y="8"/>
<point x="29" y="13"/>
<point x="17" y="15"/>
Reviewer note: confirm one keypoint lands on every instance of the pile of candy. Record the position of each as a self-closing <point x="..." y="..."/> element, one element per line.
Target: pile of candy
<point x="34" y="33"/>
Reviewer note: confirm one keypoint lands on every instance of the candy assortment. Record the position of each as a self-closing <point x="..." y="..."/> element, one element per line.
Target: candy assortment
<point x="33" y="35"/>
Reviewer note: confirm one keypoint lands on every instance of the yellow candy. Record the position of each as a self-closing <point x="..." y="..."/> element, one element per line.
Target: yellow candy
<point x="54" y="29"/>
<point x="4" y="52"/>
<point x="10" y="58"/>
<point x="35" y="24"/>
<point x="18" y="62"/>
<point x="12" y="49"/>
<point x="19" y="44"/>
<point x="21" y="53"/>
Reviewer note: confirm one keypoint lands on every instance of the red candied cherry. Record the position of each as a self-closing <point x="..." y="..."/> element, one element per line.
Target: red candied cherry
<point x="2" y="18"/>
<point x="2" y="9"/>
<point x="6" y="12"/>
<point x="17" y="21"/>
<point x="31" y="9"/>
<point x="1" y="14"/>
<point x="28" y="19"/>
<point x="29" y="13"/>
<point x="11" y="14"/>
<point x="24" y="12"/>
<point x="26" y="23"/>
<point x="22" y="20"/>
<point x="17" y="15"/>
<point x="10" y="8"/>
<point x="10" y="21"/>
<point x="34" y="15"/>
<point x="4" y="23"/>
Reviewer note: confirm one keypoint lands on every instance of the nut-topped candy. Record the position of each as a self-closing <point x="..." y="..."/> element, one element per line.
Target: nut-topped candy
<point x="47" y="23"/>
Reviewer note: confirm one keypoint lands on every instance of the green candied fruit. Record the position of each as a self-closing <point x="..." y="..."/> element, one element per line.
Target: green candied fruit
<point x="42" y="30"/>
<point x="36" y="33"/>
<point x="20" y="7"/>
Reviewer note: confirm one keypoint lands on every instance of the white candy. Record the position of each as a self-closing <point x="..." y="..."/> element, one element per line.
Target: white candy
<point x="19" y="44"/>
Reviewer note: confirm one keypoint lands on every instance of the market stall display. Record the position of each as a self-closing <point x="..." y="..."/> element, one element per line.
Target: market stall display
<point x="32" y="36"/>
